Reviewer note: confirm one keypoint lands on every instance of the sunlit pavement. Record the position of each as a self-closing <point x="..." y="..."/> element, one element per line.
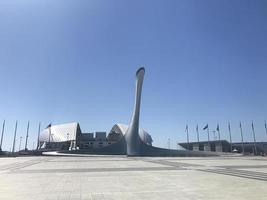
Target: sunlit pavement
<point x="120" y="177"/>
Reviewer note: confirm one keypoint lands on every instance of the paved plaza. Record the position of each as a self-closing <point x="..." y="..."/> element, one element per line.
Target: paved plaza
<point x="120" y="177"/>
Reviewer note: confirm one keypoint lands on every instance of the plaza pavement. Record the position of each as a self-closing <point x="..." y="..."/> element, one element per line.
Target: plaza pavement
<point x="121" y="177"/>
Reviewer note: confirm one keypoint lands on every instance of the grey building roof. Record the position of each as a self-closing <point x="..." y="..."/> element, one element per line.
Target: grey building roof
<point x="60" y="133"/>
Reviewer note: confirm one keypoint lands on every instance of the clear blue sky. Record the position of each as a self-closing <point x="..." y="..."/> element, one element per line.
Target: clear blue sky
<point x="64" y="61"/>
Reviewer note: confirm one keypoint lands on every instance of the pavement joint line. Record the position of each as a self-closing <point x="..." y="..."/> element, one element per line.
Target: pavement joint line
<point x="213" y="169"/>
<point x="8" y="166"/>
<point x="130" y="169"/>
<point x="20" y="165"/>
<point x="232" y="174"/>
<point x="16" y="166"/>
<point x="244" y="172"/>
<point x="243" y="166"/>
<point x="89" y="160"/>
<point x="135" y="192"/>
<point x="167" y="162"/>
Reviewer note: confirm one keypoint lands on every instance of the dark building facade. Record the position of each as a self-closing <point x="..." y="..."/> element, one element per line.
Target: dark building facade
<point x="225" y="146"/>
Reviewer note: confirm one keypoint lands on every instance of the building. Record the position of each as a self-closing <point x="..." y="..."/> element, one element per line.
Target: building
<point x="62" y="136"/>
<point x="118" y="132"/>
<point x="70" y="137"/>
<point x="249" y="147"/>
<point x="225" y="146"/>
<point x="92" y="140"/>
<point x="218" y="146"/>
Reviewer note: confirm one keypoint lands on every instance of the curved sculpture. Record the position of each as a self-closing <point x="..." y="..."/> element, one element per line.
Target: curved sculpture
<point x="132" y="137"/>
<point x="134" y="144"/>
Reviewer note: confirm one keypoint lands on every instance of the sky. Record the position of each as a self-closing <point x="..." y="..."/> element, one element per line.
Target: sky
<point x="75" y="60"/>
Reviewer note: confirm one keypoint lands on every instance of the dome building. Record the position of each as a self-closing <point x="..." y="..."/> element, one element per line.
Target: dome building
<point x="118" y="131"/>
<point x="69" y="136"/>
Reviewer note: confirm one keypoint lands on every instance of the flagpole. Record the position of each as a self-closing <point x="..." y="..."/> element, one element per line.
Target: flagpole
<point x="14" y="141"/>
<point x="253" y="131"/>
<point x="208" y="136"/>
<point x="214" y="135"/>
<point x="230" y="135"/>
<point x="49" y="133"/>
<point x="27" y="135"/>
<point x="20" y="142"/>
<point x="187" y="137"/>
<point x="242" y="139"/>
<point x="219" y="133"/>
<point x="38" y="138"/>
<point x="2" y="135"/>
<point x="197" y="135"/>
<point x="207" y="127"/>
<point x="265" y="127"/>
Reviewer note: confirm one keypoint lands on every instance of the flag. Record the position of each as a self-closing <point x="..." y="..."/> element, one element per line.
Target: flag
<point x="218" y="128"/>
<point x="186" y="128"/>
<point x="207" y="126"/>
<point x="197" y="128"/>
<point x="265" y="125"/>
<point x="49" y="126"/>
<point x="252" y="126"/>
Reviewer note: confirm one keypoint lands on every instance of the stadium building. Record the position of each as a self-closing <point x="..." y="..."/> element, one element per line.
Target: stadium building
<point x="70" y="137"/>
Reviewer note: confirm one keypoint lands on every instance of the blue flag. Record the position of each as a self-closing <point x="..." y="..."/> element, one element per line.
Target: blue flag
<point x="207" y="126"/>
<point x="218" y="127"/>
<point x="49" y="125"/>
